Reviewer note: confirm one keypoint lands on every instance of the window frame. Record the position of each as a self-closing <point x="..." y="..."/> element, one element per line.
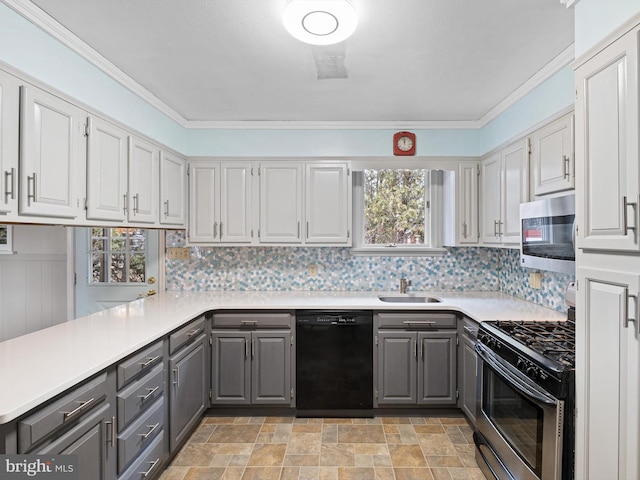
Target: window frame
<point x="434" y="211"/>
<point x="127" y="252"/>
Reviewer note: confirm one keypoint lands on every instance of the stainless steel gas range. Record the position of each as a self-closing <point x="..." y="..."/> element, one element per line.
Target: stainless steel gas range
<point x="525" y="418"/>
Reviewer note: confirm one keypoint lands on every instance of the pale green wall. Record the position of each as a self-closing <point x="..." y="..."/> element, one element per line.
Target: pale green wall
<point x="595" y="19"/>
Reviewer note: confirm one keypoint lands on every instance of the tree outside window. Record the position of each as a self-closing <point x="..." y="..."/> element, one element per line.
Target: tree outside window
<point x="118" y="255"/>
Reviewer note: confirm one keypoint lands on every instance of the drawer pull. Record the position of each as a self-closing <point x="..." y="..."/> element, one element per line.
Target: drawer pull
<point x="112" y="436"/>
<point x="151" y="430"/>
<point x="78" y="409"/>
<point x="153" y="464"/>
<point x="419" y="322"/>
<point x="151" y="392"/>
<point x="150" y="361"/>
<point x="249" y="322"/>
<point x="176" y="377"/>
<point x="193" y="332"/>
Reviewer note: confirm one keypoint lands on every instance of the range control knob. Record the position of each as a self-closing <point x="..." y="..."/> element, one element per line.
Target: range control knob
<point x="532" y="371"/>
<point x="520" y="364"/>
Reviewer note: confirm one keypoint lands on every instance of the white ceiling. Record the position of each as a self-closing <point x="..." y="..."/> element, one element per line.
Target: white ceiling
<point x="408" y="60"/>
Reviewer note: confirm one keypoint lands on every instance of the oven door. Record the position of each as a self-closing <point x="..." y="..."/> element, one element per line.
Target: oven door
<point x="520" y="425"/>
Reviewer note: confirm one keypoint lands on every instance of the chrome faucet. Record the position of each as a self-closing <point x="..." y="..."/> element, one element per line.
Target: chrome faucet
<point x="404" y="283"/>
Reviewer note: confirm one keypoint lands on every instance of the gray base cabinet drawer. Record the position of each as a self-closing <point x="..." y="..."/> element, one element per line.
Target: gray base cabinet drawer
<point x="412" y="321"/>
<point x="149" y="463"/>
<point x="139" y="364"/>
<point x="255" y="320"/>
<point x="185" y="335"/>
<point x="140" y="434"/>
<point x="140" y="395"/>
<point x="65" y="410"/>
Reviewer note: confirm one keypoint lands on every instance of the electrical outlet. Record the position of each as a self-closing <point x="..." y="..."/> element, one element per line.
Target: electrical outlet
<point x="313" y="270"/>
<point x="178" y="253"/>
<point x="535" y="280"/>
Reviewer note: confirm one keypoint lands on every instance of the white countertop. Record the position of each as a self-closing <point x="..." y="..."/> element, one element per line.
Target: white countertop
<point x="40" y="365"/>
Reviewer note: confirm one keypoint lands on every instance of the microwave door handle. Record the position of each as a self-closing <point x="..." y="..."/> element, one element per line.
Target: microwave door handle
<point x="497" y="366"/>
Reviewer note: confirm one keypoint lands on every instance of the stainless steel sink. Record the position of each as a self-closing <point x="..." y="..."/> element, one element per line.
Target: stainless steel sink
<point x="408" y="299"/>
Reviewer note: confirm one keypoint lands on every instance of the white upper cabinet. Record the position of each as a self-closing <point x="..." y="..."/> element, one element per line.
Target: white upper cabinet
<point x="173" y="189"/>
<point x="327" y="203"/>
<point x="467" y="203"/>
<point x="236" y="202"/>
<point x="280" y="202"/>
<point x="504" y="180"/>
<point x="52" y="155"/>
<point x="607" y="143"/>
<point x="106" y="171"/>
<point x="220" y="203"/>
<point x="552" y="159"/>
<point x="144" y="172"/>
<point x="9" y="114"/>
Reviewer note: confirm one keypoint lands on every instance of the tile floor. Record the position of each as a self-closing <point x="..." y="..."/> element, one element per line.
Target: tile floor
<point x="287" y="448"/>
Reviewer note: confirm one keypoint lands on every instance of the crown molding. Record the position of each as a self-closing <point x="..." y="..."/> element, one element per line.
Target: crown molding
<point x="49" y="25"/>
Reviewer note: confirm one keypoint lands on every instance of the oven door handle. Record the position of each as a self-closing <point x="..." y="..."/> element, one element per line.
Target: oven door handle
<point x="502" y="369"/>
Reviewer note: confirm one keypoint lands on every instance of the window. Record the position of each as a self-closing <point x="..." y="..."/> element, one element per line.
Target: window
<point x="5" y="239"/>
<point x="118" y="255"/>
<point x="396" y="211"/>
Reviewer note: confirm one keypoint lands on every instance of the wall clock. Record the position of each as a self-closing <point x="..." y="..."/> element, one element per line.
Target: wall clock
<point x="404" y="143"/>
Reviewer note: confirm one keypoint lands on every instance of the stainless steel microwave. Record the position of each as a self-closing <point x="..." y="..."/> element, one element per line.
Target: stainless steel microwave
<point x="547" y="234"/>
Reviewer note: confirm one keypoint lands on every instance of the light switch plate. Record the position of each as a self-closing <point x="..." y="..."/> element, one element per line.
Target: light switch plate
<point x="535" y="280"/>
<point x="178" y="253"/>
<point x="313" y="270"/>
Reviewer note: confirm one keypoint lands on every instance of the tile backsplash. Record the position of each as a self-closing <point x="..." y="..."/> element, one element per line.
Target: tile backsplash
<point x="287" y="268"/>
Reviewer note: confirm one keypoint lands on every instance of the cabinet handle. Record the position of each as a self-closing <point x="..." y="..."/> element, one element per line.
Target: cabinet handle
<point x="220" y="230"/>
<point x="249" y="322"/>
<point x="176" y="377"/>
<point x="419" y="322"/>
<point x="625" y="313"/>
<point x="193" y="332"/>
<point x="415" y="349"/>
<point x="625" y="215"/>
<point x="151" y="392"/>
<point x="78" y="409"/>
<point x="500" y="223"/>
<point x="152" y="428"/>
<point x="31" y="196"/>
<point x="153" y="464"/>
<point x="464" y="229"/>
<point x="246" y="349"/>
<point x="11" y="173"/>
<point x="215" y="229"/>
<point x="112" y="436"/>
<point x="149" y="362"/>
<point x="307" y="229"/>
<point x="253" y="348"/>
<point x="495" y="228"/>
<point x="565" y="166"/>
<point x="124" y="203"/>
<point x="136" y="198"/>
<point x="166" y="208"/>
<point x="298" y="229"/>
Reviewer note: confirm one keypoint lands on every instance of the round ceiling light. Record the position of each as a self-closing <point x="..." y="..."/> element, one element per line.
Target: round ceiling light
<point x="320" y="22"/>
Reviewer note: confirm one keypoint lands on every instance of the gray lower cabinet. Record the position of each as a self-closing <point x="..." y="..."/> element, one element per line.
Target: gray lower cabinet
<point x="251" y="367"/>
<point x="469" y="377"/>
<point x="93" y="441"/>
<point x="416" y="368"/>
<point x="187" y="389"/>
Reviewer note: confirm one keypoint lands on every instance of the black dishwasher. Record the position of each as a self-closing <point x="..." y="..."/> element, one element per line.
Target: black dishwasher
<point x="334" y="364"/>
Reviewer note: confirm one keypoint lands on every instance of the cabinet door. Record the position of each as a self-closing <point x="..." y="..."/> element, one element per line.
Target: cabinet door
<point x="437" y="368"/>
<point x="468" y="377"/>
<point x="92" y="440"/>
<point x="9" y="115"/>
<point x="607" y="144"/>
<point x="106" y="171"/>
<point x="188" y="391"/>
<point x="491" y="183"/>
<point x="608" y="355"/>
<point x="52" y="155"/>
<point x="173" y="189"/>
<point x="280" y="202"/>
<point x="271" y="368"/>
<point x="397" y="367"/>
<point x="468" y="203"/>
<point x="327" y="203"/>
<point x="552" y="161"/>
<point x="231" y="368"/>
<point x="235" y="203"/>
<point x="144" y="173"/>
<point x="515" y="190"/>
<point x="203" y="203"/>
